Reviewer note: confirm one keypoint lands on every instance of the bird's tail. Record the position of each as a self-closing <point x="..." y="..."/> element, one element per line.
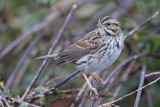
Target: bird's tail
<point x="48" y="56"/>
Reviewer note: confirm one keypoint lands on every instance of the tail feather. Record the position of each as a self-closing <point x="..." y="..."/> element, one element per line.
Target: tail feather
<point x="48" y="56"/>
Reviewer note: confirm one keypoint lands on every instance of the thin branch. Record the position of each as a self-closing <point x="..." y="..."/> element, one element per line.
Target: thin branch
<point x="84" y="99"/>
<point x="14" y="100"/>
<point x="152" y="74"/>
<point x="50" y="52"/>
<point x="141" y="82"/>
<point x="4" y="97"/>
<point x="56" y="86"/>
<point x="80" y="93"/>
<point x="108" y="104"/>
<point x="141" y="25"/>
<point x="80" y="97"/>
<point x="68" y="91"/>
<point x="64" y="81"/>
<point x="1" y="103"/>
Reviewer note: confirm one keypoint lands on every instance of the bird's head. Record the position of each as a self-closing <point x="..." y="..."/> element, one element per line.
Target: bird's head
<point x="109" y="26"/>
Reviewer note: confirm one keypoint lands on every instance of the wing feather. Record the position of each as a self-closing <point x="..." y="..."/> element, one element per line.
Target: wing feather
<point x="79" y="49"/>
<point x="74" y="52"/>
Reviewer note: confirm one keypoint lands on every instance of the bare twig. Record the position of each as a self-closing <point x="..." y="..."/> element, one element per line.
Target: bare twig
<point x="140" y="86"/>
<point x="84" y="99"/>
<point x="108" y="104"/>
<point x="64" y="91"/>
<point x="68" y="91"/>
<point x="51" y="82"/>
<point x="80" y="93"/>
<point x="153" y="73"/>
<point x="144" y="23"/>
<point x="80" y="97"/>
<point x="56" y="86"/>
<point x="14" y="100"/>
<point x="1" y="103"/>
<point x="21" y="61"/>
<point x="4" y="97"/>
<point x="50" y="52"/>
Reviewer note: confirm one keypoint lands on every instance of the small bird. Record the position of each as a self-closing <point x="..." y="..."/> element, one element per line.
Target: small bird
<point x="95" y="51"/>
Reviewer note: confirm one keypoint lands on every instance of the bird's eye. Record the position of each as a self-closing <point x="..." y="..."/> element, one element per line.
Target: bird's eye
<point x="108" y="24"/>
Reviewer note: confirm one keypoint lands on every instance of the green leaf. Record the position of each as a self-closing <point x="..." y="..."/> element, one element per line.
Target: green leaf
<point x="141" y="36"/>
<point x="6" y="91"/>
<point x="2" y="85"/>
<point x="64" y="95"/>
<point x="155" y="43"/>
<point x="38" y="96"/>
<point x="99" y="87"/>
<point x="24" y="105"/>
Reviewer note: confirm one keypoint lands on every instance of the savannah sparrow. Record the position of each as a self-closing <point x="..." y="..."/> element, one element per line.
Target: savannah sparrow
<point x="96" y="50"/>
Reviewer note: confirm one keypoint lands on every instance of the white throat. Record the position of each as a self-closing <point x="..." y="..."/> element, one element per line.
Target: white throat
<point x="101" y="31"/>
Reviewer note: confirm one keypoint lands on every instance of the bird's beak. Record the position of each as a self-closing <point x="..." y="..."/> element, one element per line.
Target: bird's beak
<point x="99" y="25"/>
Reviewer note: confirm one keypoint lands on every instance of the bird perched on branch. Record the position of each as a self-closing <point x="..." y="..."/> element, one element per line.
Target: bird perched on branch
<point x="95" y="51"/>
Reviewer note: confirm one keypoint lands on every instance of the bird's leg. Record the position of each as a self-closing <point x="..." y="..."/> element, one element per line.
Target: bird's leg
<point x="97" y="78"/>
<point x="90" y="86"/>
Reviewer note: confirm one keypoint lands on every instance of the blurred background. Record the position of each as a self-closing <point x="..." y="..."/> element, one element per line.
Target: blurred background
<point x="29" y="28"/>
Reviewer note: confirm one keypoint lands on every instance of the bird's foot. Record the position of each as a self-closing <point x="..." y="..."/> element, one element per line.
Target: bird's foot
<point x="97" y="78"/>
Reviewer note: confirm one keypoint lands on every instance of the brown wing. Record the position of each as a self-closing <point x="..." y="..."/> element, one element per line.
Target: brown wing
<point x="74" y="52"/>
<point x="77" y="50"/>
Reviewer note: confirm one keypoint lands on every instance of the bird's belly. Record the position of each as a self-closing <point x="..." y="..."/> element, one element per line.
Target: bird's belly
<point x="97" y="62"/>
